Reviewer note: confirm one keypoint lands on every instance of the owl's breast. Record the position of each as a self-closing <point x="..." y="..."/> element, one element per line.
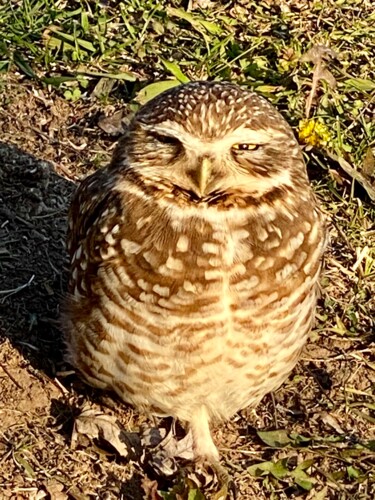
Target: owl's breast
<point x="180" y="303"/>
<point x="199" y="263"/>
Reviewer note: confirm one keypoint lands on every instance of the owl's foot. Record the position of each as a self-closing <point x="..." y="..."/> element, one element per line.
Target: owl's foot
<point x="227" y="487"/>
<point x="212" y="476"/>
<point x="206" y="452"/>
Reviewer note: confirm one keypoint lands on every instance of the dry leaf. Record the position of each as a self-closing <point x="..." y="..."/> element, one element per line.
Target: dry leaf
<point x="103" y="87"/>
<point x="96" y="425"/>
<point x="336" y="176"/>
<point x="151" y="489"/>
<point x="368" y="167"/>
<point x="152" y="436"/>
<point x="112" y="125"/>
<point x="165" y="448"/>
<point x="326" y="75"/>
<point x="55" y="490"/>
<point x="174" y="448"/>
<point x="318" y="53"/>
<point x="182" y="448"/>
<point x="162" y="464"/>
<point x="332" y="422"/>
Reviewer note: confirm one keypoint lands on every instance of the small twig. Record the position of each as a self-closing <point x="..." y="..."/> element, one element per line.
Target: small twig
<point x="344" y="357"/>
<point x="8" y="293"/>
<point x="25" y="222"/>
<point x="11" y="377"/>
<point x="30" y="346"/>
<point x="318" y="55"/>
<point x="314" y="87"/>
<point x="59" y="385"/>
<point x="68" y="175"/>
<point x="354" y="174"/>
<point x="50" y="263"/>
<point x="359" y="393"/>
<point x="242" y="451"/>
<point x="275" y="419"/>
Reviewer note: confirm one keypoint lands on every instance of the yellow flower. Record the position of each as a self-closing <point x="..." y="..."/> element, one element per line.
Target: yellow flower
<point x="313" y="132"/>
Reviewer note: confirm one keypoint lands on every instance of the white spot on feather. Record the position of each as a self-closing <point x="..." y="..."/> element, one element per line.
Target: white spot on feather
<point x="110" y="239"/>
<point x="174" y="264"/>
<point x="182" y="243"/>
<point x="151" y="258"/>
<point x="285" y="272"/>
<point x="213" y="274"/>
<point x="107" y="253"/>
<point x="189" y="287"/>
<point x="262" y="234"/>
<point x="144" y="285"/>
<point x="77" y="253"/>
<point x="83" y="265"/>
<point x="129" y="247"/>
<point x="163" y="291"/>
<point x="210" y="248"/>
<point x="293" y="244"/>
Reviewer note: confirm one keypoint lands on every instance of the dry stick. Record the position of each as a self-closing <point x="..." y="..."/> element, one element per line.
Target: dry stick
<point x="314" y="86"/>
<point x="354" y="174"/>
<point x="318" y="54"/>
<point x="12" y="291"/>
<point x="11" y="377"/>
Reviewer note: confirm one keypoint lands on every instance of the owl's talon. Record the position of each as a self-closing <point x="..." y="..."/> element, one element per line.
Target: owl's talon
<point x="227" y="486"/>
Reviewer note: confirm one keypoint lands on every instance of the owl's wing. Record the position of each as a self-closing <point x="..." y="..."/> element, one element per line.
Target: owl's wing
<point x="93" y="210"/>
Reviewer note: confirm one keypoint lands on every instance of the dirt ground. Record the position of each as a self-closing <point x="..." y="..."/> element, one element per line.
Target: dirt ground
<point x="326" y="406"/>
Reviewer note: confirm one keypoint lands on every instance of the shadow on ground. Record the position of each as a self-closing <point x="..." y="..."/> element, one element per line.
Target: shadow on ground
<point x="33" y="213"/>
<point x="35" y="407"/>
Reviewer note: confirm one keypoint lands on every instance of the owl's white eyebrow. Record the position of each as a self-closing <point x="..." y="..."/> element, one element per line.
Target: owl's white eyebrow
<point x="239" y="135"/>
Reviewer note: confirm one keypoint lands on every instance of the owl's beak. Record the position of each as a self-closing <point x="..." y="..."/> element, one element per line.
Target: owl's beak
<point x="203" y="174"/>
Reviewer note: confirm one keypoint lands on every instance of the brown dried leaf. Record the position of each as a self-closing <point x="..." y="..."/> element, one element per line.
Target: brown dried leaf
<point x="318" y="53"/>
<point x="151" y="489"/>
<point x="96" y="425"/>
<point x="336" y="176"/>
<point x="182" y="448"/>
<point x="152" y="437"/>
<point x="368" y="167"/>
<point x="162" y="464"/>
<point x="326" y="75"/>
<point x="103" y="87"/>
<point x="332" y="421"/>
<point x="55" y="490"/>
<point x="112" y="125"/>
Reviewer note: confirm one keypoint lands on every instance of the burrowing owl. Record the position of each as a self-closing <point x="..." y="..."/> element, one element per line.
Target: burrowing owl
<point x="195" y="258"/>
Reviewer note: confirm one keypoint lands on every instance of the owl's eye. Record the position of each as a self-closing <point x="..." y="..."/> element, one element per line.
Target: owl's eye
<point x="166" y="139"/>
<point x="244" y="147"/>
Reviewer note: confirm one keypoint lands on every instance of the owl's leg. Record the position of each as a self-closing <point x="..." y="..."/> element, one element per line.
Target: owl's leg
<point x="205" y="450"/>
<point x="204" y="447"/>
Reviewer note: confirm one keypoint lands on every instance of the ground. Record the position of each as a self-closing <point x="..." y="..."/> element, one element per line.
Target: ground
<point x="313" y="438"/>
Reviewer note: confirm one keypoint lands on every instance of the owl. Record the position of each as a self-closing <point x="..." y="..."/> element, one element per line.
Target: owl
<point x="194" y="259"/>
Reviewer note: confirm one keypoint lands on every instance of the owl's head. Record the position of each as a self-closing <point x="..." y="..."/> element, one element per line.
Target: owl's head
<point x="207" y="139"/>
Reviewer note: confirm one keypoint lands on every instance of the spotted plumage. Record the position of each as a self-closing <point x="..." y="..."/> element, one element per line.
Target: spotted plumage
<point x="195" y="257"/>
